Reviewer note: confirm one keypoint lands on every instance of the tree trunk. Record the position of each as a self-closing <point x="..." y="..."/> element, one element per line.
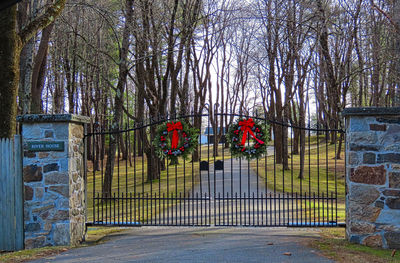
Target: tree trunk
<point x="26" y="10"/>
<point x="285" y="145"/>
<point x="123" y="146"/>
<point x="196" y="152"/>
<point x="58" y="94"/>
<point x="39" y="71"/>
<point x="90" y="143"/>
<point x="9" y="71"/>
<point x="295" y="141"/>
<point x="184" y="94"/>
<point x="171" y="69"/>
<point x="140" y="87"/>
<point x="339" y="149"/>
<point x="26" y="77"/>
<point x="153" y="162"/>
<point x="96" y="153"/>
<point x="278" y="129"/>
<point x="302" y="152"/>
<point x="110" y="163"/>
<point x="119" y="101"/>
<point x="302" y="132"/>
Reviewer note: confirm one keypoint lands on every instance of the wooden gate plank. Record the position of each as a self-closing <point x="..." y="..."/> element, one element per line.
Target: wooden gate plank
<point x="6" y="176"/>
<point x="19" y="195"/>
<point x="11" y="191"/>
<point x="8" y="193"/>
<point x="2" y="197"/>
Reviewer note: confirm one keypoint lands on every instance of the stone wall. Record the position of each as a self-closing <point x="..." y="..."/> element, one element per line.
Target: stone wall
<point x="54" y="187"/>
<point x="373" y="176"/>
<point x="77" y="200"/>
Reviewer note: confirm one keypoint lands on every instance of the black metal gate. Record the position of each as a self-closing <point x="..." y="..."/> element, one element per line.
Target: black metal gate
<point x="301" y="185"/>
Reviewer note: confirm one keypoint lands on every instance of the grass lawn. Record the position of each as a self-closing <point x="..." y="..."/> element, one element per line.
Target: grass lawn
<point x="175" y="182"/>
<point x="323" y="174"/>
<point x="334" y="245"/>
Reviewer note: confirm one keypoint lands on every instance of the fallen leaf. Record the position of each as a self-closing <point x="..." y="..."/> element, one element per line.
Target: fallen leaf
<point x="287" y="253"/>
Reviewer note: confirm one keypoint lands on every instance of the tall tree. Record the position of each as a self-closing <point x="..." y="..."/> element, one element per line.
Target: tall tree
<point x="119" y="97"/>
<point x="27" y="11"/>
<point x="11" y="44"/>
<point x="39" y="71"/>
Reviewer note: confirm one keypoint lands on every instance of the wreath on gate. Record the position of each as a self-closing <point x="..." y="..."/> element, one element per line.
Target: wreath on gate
<point x="175" y="139"/>
<point x="241" y="131"/>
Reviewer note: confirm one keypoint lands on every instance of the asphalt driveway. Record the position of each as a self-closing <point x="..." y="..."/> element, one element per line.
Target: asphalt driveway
<point x="199" y="244"/>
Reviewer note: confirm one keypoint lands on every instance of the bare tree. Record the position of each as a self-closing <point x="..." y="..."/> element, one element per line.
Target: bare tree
<point x="119" y="101"/>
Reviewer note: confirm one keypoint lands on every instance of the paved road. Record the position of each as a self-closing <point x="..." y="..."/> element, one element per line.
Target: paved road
<point x="222" y="203"/>
<point x="237" y="177"/>
<point x="163" y="244"/>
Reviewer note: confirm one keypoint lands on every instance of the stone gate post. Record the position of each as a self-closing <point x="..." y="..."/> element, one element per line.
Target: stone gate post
<point x="54" y="185"/>
<point x="373" y="176"/>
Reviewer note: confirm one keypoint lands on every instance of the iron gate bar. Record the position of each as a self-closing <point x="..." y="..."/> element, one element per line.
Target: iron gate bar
<point x="173" y="208"/>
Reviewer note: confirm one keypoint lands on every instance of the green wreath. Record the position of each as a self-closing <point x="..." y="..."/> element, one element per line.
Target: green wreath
<point x="174" y="140"/>
<point x="241" y="131"/>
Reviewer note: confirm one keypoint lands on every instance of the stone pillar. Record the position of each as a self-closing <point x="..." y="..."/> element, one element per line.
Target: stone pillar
<point x="373" y="176"/>
<point x="54" y="186"/>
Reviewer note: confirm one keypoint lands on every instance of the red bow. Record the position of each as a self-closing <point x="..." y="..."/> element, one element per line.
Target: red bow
<point x="246" y="126"/>
<point x="175" y="136"/>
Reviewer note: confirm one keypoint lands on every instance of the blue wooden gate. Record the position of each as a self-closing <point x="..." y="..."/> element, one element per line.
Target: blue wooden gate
<point x="11" y="195"/>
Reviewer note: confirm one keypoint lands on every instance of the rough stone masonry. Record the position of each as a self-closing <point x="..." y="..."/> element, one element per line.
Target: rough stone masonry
<point x="373" y="176"/>
<point x="54" y="187"/>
